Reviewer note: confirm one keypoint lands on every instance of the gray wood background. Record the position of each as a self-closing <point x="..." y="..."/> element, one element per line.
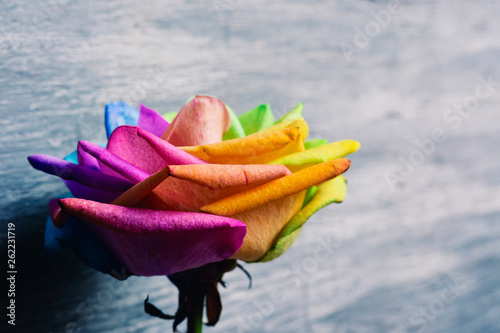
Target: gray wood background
<point x="418" y="253"/>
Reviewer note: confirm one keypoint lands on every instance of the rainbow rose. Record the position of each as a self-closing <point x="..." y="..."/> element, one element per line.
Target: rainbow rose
<point x="161" y="199"/>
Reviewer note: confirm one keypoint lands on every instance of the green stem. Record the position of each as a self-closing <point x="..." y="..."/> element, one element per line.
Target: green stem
<point x="195" y="317"/>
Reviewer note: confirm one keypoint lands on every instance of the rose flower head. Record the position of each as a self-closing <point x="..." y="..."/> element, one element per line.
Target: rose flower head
<point x="162" y="198"/>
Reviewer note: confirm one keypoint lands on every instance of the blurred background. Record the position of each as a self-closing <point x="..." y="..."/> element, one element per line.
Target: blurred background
<point x="415" y="245"/>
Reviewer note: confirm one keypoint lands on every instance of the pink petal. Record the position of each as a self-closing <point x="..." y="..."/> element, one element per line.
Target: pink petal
<point x="112" y="164"/>
<point x="150" y="242"/>
<point x="203" y="120"/>
<point x="152" y="121"/>
<point x="145" y="150"/>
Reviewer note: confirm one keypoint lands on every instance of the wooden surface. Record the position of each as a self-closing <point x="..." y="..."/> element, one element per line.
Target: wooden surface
<point x="393" y="253"/>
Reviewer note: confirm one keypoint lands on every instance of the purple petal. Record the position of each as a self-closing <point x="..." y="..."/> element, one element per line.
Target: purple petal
<point x="152" y="242"/>
<point x="111" y="164"/>
<point x="80" y="174"/>
<point x="86" y="159"/>
<point x="146" y="150"/>
<point x="81" y="191"/>
<point x="152" y="121"/>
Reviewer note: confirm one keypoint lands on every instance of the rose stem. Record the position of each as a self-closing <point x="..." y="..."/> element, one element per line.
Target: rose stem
<point x="195" y="317"/>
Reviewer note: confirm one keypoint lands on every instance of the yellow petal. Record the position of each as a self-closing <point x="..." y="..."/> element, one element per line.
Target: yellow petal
<point x="258" y="148"/>
<point x="264" y="223"/>
<point x="290" y="123"/>
<point x="278" y="188"/>
<point x="319" y="154"/>
<point x="328" y="192"/>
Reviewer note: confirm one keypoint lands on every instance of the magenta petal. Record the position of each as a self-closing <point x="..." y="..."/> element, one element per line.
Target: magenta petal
<point x="146" y="150"/>
<point x="152" y="121"/>
<point x="152" y="242"/>
<point x="111" y="164"/>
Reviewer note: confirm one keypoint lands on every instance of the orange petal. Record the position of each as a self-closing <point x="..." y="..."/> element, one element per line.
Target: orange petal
<point x="278" y="188"/>
<point x="222" y="175"/>
<point x="203" y="120"/>
<point x="137" y="192"/>
<point x="258" y="148"/>
<point x="189" y="187"/>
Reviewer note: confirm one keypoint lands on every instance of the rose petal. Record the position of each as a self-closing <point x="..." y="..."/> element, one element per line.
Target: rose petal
<point x="72" y="157"/>
<point x="332" y="191"/>
<point x="142" y="189"/>
<point x="313" y="143"/>
<point x="193" y="186"/>
<point x="152" y="242"/>
<point x="311" y="191"/>
<point x="112" y="164"/>
<point x="87" y="160"/>
<point x="299" y="123"/>
<point x="118" y="114"/>
<point x="82" y="175"/>
<point x="218" y="176"/>
<point x="145" y="150"/>
<point x="203" y="120"/>
<point x="81" y="181"/>
<point x="57" y="216"/>
<point x="235" y="129"/>
<point x="169" y="116"/>
<point x="319" y="154"/>
<point x="86" y="247"/>
<point x="257" y="119"/>
<point x="278" y="188"/>
<point x="264" y="223"/>
<point x="151" y="121"/>
<point x="258" y="148"/>
<point x="294" y="113"/>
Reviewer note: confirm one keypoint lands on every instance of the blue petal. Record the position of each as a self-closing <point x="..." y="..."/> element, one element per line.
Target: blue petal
<point x="118" y="114"/>
<point x="85" y="246"/>
<point x="52" y="237"/>
<point x="72" y="157"/>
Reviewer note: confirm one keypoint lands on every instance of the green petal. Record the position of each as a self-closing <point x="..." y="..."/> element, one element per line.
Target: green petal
<point x="320" y="154"/>
<point x="169" y="116"/>
<point x="257" y="119"/>
<point x="313" y="143"/>
<point x="311" y="191"/>
<point x="235" y="129"/>
<point x="331" y="191"/>
<point x="294" y="113"/>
